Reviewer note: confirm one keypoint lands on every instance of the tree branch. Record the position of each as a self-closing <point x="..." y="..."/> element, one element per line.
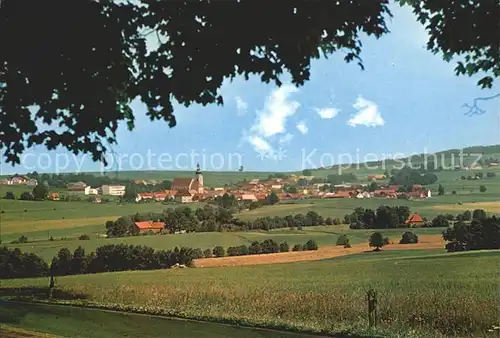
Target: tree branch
<point x="474" y="109"/>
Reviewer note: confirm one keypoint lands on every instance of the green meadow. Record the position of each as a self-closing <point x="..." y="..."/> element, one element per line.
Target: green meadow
<point x="323" y="235"/>
<point x="420" y="293"/>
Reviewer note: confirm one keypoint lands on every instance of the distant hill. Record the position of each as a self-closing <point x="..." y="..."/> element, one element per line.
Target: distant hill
<point x="444" y="158"/>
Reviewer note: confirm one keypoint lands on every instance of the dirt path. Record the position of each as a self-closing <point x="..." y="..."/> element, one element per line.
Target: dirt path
<point x="9" y="332"/>
<point x="425" y="242"/>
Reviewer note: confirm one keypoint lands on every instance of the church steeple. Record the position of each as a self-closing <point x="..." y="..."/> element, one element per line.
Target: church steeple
<point x="199" y="178"/>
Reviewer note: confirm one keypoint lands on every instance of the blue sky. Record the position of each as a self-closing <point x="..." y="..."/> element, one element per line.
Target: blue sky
<point x="407" y="100"/>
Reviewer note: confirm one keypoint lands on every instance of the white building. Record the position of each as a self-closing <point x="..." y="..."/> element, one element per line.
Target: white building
<point x="113" y="190"/>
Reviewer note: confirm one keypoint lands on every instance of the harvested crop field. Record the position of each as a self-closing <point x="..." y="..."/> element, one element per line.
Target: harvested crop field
<point x="491" y="207"/>
<point x="425" y="242"/>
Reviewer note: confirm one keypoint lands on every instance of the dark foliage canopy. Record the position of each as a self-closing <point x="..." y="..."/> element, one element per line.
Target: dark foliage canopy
<point x="70" y="69"/>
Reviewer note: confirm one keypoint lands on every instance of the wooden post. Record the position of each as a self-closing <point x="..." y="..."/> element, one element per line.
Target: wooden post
<point x="371" y="298"/>
<point x="52" y="281"/>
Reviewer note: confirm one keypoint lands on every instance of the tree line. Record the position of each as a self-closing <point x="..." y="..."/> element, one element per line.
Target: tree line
<point x="480" y="234"/>
<point x="407" y="177"/>
<point x="121" y="257"/>
<point x="383" y="217"/>
<point x="210" y="218"/>
<point x="107" y="258"/>
<point x="268" y="246"/>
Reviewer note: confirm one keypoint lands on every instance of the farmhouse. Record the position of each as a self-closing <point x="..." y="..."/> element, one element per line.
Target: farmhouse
<point x="113" y="190"/>
<point x="387" y="193"/>
<point x="54" y="196"/>
<point x="32" y="182"/>
<point x="19" y="179"/>
<point x="190" y="184"/>
<point x="183" y="196"/>
<point x="147" y="226"/>
<point x="79" y="188"/>
<point x="414" y="219"/>
<point x="419" y="194"/>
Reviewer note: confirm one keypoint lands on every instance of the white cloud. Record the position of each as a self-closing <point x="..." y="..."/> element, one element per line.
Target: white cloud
<point x="367" y="114"/>
<point x="302" y="127"/>
<point x="286" y="139"/>
<point x="270" y="124"/>
<point x="327" y="113"/>
<point x="241" y="106"/>
<point x="260" y="145"/>
<point x="272" y="119"/>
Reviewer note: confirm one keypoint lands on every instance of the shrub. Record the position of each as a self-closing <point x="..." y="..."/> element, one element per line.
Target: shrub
<point x="218" y="251"/>
<point x="377" y="241"/>
<point x="386" y="241"/>
<point x="232" y="251"/>
<point x="284" y="247"/>
<point x="311" y="245"/>
<point x="197" y="253"/>
<point x="207" y="253"/>
<point x="243" y="250"/>
<point x="329" y="221"/>
<point x="51" y="239"/>
<point x="254" y="248"/>
<point x="84" y="237"/>
<point x="343" y="240"/>
<point x="408" y="238"/>
<point x="10" y="195"/>
<point x="297" y="247"/>
<point x="269" y="246"/>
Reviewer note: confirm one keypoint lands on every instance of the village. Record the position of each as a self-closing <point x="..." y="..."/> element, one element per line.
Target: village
<point x="192" y="189"/>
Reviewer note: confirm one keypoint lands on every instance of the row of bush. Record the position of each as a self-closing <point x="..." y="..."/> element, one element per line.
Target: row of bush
<point x="269" y="246"/>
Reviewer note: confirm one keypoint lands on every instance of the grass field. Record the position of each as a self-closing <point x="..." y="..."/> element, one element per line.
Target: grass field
<point x="420" y="293"/>
<point x="323" y="235"/>
<point x="58" y="321"/>
<point x="71" y="219"/>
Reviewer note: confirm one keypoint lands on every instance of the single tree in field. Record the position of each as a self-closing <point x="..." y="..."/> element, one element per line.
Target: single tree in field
<point x="440" y="190"/>
<point x="9" y="195"/>
<point x="40" y="192"/>
<point x="76" y="93"/>
<point x="482" y="188"/>
<point x="273" y="198"/>
<point x="376" y="241"/>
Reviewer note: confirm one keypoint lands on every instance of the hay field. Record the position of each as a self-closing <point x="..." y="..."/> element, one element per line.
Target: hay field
<point x="489" y="207"/>
<point x="325" y="252"/>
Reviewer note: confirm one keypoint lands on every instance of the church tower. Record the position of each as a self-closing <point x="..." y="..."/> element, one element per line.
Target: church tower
<point x="199" y="179"/>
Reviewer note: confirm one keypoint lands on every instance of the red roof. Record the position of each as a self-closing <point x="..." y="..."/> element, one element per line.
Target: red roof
<point x="416" y="218"/>
<point x="181" y="183"/>
<point x="183" y="193"/>
<point x="149" y="225"/>
<point x="384" y="191"/>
